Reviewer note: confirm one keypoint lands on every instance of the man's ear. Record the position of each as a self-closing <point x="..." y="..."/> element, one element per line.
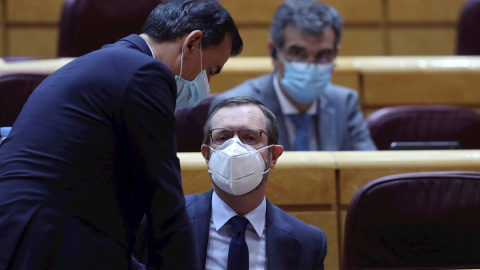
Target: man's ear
<point x="273" y="51"/>
<point x="275" y="152"/>
<point x="337" y="50"/>
<point x="206" y="153"/>
<point x="191" y="42"/>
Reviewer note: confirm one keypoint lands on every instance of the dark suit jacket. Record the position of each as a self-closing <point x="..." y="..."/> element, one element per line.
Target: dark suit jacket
<point x="291" y="243"/>
<point x="92" y="151"/>
<point x="339" y="121"/>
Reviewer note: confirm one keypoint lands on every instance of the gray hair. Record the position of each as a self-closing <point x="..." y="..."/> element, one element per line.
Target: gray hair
<point x="308" y="16"/>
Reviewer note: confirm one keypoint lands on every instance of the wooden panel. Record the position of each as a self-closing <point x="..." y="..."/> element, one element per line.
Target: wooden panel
<point x="239" y="69"/>
<point x="456" y="88"/>
<point x="424" y="10"/>
<point x="227" y="80"/>
<point x="251" y="12"/>
<point x="255" y="40"/>
<point x="353" y="179"/>
<point x="362" y="41"/>
<point x="423" y="41"/>
<point x="196" y="181"/>
<point x="346" y="78"/>
<point x="301" y="186"/>
<point x="261" y="12"/>
<point x="235" y="71"/>
<point x="359" y="168"/>
<point x="32" y="41"/>
<point x="354" y="11"/>
<point x="356" y="41"/>
<point x="328" y="223"/>
<point x="343" y="218"/>
<point x="35" y="12"/>
<point x="254" y="12"/>
<point x="41" y="65"/>
<point x="314" y="176"/>
<point x="301" y="178"/>
<point x="2" y="30"/>
<point x="195" y="177"/>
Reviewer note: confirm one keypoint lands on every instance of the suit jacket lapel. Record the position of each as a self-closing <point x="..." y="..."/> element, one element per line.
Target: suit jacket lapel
<point x="326" y="125"/>
<point x="270" y="99"/>
<point x="283" y="250"/>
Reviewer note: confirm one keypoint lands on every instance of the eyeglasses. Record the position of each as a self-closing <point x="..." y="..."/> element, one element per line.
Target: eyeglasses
<point x="299" y="54"/>
<point x="247" y="135"/>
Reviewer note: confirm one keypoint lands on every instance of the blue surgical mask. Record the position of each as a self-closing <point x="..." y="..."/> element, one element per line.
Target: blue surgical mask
<point x="190" y="93"/>
<point x="306" y="81"/>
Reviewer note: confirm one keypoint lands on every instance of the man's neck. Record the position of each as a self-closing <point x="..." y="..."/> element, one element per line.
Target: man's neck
<point x="168" y="52"/>
<point x="243" y="204"/>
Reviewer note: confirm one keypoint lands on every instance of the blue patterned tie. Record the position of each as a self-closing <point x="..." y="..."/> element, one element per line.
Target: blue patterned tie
<point x="238" y="251"/>
<point x="302" y="122"/>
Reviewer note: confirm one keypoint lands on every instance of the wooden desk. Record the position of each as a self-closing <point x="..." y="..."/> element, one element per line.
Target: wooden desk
<point x="40" y="65"/>
<point x="380" y="80"/>
<point x="390" y="81"/>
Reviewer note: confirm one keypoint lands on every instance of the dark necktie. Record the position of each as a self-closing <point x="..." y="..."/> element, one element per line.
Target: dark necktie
<point x="302" y="122"/>
<point x="238" y="251"/>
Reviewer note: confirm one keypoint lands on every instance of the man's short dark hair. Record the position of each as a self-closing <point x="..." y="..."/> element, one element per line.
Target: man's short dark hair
<point x="270" y="119"/>
<point x="174" y="18"/>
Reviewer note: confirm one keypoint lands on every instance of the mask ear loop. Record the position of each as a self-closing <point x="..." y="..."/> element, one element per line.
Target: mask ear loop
<point x="263" y="148"/>
<point x="181" y="63"/>
<point x="201" y="58"/>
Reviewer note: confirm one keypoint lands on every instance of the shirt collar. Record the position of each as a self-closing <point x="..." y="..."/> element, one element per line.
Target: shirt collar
<point x="286" y="106"/>
<point x="150" y="49"/>
<point x="221" y="214"/>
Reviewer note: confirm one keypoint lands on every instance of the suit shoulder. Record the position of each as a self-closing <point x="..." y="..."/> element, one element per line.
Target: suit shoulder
<point x="251" y="88"/>
<point x="334" y="89"/>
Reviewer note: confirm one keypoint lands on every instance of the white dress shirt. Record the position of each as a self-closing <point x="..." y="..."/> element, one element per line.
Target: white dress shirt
<point x="153" y="54"/>
<point x="221" y="232"/>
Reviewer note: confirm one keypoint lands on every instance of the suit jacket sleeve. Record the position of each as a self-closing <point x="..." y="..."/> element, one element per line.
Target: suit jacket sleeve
<point x="358" y="132"/>
<point x="149" y="124"/>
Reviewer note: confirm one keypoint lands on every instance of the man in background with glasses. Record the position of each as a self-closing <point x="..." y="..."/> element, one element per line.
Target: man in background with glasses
<point x="240" y="147"/>
<point x="312" y="113"/>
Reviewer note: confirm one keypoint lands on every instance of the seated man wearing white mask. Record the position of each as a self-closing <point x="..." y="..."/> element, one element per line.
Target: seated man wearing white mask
<point x="240" y="147"/>
<point x="312" y="113"/>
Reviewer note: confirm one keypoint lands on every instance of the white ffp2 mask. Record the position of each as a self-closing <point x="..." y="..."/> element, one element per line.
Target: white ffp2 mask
<point x="237" y="168"/>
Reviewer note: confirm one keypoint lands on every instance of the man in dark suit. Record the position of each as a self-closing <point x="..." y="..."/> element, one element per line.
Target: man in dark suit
<point x="304" y="42"/>
<point x="240" y="147"/>
<point x="93" y="149"/>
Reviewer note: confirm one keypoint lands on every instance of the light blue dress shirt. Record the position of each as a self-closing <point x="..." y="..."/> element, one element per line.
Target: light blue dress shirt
<point x="220" y="234"/>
